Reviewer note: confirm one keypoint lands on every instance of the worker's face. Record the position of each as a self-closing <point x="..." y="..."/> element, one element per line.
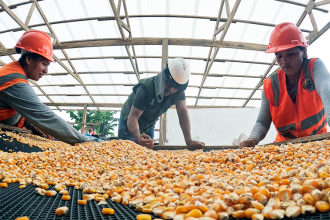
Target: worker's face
<point x="36" y="68"/>
<point x="169" y="90"/>
<point x="90" y="128"/>
<point x="291" y="60"/>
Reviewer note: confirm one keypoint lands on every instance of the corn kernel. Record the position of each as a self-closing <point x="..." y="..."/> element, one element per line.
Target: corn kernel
<point x="108" y="211"/>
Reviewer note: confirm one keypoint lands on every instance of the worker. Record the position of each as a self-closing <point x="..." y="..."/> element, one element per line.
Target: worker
<point x="150" y="98"/>
<point x="19" y="104"/>
<point x="90" y="130"/>
<point x="296" y="98"/>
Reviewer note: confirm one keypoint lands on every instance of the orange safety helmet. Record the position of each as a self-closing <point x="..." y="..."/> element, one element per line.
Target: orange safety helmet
<point x="285" y="36"/>
<point x="36" y="42"/>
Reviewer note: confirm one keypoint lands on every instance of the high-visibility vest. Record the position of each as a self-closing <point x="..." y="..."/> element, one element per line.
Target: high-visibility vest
<point x="87" y="132"/>
<point x="292" y="120"/>
<point x="10" y="75"/>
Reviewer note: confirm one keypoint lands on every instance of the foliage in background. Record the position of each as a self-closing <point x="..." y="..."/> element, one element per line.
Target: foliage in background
<point x="105" y="117"/>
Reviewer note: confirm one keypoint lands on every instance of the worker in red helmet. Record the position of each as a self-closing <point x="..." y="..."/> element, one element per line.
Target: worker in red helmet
<point x="19" y="104"/>
<point x="295" y="98"/>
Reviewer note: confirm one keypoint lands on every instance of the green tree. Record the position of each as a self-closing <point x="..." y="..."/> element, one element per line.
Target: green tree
<point x="105" y="117"/>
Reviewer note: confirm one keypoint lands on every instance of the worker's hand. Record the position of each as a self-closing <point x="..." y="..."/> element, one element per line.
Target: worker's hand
<point x="248" y="143"/>
<point x="39" y="132"/>
<point x="196" y="144"/>
<point x="145" y="140"/>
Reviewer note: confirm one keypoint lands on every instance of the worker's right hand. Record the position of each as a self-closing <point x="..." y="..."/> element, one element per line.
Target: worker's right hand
<point x="145" y="140"/>
<point x="248" y="143"/>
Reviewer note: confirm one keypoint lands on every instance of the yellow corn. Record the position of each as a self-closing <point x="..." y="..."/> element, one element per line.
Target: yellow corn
<point x="62" y="210"/>
<point x="143" y="217"/>
<point x="238" y="214"/>
<point x="222" y="216"/>
<point x="22" y="218"/>
<point x="205" y="185"/>
<point x="51" y="192"/>
<point x="3" y="185"/>
<point x="293" y="211"/>
<point x="66" y="197"/>
<point x="250" y="211"/>
<point x="82" y="202"/>
<point x="108" y="211"/>
<point x="308" y="209"/>
<point x="322" y="206"/>
<point x="257" y="217"/>
<point x="276" y="214"/>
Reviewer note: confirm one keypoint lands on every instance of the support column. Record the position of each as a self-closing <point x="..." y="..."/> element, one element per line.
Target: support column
<point x="162" y="130"/>
<point x="84" y="119"/>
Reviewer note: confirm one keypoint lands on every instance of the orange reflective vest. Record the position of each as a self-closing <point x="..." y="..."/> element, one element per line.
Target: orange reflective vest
<point x="10" y="75"/>
<point x="92" y="133"/>
<point x="292" y="120"/>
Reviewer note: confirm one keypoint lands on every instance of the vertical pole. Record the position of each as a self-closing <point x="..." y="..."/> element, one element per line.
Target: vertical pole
<point x="84" y="119"/>
<point x="162" y="130"/>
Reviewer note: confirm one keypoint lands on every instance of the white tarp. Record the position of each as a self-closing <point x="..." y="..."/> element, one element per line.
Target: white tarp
<point x="215" y="126"/>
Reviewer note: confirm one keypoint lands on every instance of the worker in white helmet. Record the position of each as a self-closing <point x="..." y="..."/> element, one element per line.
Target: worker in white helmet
<point x="150" y="98"/>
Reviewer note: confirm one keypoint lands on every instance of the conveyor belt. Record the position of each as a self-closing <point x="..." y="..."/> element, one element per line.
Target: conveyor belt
<point x="15" y="202"/>
<point x="15" y="146"/>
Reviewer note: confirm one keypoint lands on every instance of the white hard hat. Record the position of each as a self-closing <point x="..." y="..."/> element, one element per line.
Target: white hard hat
<point x="178" y="73"/>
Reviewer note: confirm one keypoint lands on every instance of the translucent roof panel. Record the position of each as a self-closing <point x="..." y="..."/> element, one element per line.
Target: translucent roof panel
<point x="191" y="91"/>
<point x="110" y="89"/>
<point x="71" y="99"/>
<point x="44" y="99"/>
<point x="110" y="99"/>
<point x="148" y="50"/>
<point x="107" y="71"/>
<point x="254" y="103"/>
<point x="109" y="78"/>
<point x="64" y="90"/>
<point x="150" y="64"/>
<point x="66" y="79"/>
<point x="108" y="109"/>
<point x="190" y="101"/>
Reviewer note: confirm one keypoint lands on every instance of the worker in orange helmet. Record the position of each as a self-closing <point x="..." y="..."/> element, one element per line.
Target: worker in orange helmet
<point x="19" y="104"/>
<point x="296" y="98"/>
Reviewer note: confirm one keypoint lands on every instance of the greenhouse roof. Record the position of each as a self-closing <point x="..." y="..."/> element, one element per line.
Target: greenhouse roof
<point x="102" y="48"/>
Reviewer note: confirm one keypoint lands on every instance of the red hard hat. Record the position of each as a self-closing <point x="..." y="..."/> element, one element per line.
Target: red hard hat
<point x="285" y="36"/>
<point x="36" y="42"/>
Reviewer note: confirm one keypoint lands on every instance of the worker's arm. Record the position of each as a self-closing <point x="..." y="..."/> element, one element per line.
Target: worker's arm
<point x="140" y="102"/>
<point x="181" y="109"/>
<point x="322" y="84"/>
<point x="262" y="125"/>
<point x="134" y="130"/>
<point x="24" y="100"/>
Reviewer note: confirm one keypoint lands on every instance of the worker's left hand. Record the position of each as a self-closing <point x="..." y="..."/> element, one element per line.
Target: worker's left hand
<point x="196" y="144"/>
<point x="49" y="137"/>
<point x="39" y="132"/>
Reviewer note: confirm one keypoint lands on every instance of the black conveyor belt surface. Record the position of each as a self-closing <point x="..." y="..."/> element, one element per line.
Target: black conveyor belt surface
<point x="15" y="146"/>
<point x="15" y="202"/>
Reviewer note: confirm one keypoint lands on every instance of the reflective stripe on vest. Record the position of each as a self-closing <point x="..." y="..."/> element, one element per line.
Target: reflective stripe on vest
<point x="276" y="88"/>
<point x="307" y="116"/>
<point x="10" y="75"/>
<point x="309" y="122"/>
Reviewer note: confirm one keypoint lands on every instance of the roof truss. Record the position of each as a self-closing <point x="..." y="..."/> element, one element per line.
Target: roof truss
<point x="121" y="15"/>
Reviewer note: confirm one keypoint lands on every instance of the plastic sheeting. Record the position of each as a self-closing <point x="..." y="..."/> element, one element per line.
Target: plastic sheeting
<point x="215" y="126"/>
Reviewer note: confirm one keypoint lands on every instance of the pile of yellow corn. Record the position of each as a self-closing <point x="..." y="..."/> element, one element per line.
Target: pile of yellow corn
<point x="264" y="182"/>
